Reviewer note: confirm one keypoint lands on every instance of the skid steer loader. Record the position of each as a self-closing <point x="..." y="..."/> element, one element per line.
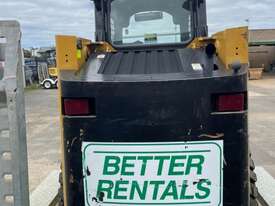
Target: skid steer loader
<point x="155" y="111"/>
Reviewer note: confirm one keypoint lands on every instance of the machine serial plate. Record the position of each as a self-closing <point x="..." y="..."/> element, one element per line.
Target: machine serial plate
<point x="174" y="173"/>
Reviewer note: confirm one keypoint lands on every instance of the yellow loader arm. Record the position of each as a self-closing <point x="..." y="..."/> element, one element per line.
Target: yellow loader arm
<point x="72" y="52"/>
<point x="231" y="44"/>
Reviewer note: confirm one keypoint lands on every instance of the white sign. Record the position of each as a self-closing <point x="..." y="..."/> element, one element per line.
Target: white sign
<point x="174" y="173"/>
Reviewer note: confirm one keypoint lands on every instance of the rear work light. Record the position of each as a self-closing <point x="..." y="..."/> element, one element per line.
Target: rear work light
<point x="76" y="107"/>
<point x="230" y="102"/>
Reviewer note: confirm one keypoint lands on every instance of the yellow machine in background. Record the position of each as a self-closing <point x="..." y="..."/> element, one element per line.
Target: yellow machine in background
<point x="53" y="71"/>
<point x="49" y="78"/>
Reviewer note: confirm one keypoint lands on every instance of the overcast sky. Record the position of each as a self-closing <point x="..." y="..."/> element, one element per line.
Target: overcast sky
<point x="42" y="19"/>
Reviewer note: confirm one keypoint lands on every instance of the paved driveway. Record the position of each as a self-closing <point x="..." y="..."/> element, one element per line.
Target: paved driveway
<point x="262" y="122"/>
<point x="42" y="133"/>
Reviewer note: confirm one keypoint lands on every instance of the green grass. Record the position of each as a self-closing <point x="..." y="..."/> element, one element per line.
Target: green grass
<point x="32" y="87"/>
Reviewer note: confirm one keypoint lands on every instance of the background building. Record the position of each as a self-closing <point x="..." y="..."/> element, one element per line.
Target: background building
<point x="262" y="49"/>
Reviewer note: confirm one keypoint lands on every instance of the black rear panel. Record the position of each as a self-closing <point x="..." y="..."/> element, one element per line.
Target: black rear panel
<point x="150" y="62"/>
<point x="159" y="111"/>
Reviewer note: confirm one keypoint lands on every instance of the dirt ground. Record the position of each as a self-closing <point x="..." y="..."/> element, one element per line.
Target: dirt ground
<point x="43" y="129"/>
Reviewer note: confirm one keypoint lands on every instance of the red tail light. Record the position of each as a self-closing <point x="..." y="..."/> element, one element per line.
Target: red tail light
<point x="230" y="102"/>
<point x="76" y="107"/>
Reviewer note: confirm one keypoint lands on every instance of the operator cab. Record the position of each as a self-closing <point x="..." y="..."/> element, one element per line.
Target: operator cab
<point x="146" y="28"/>
<point x="151" y="37"/>
<point x="143" y="23"/>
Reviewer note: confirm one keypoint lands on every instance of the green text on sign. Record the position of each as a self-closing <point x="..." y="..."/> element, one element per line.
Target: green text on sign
<point x="174" y="173"/>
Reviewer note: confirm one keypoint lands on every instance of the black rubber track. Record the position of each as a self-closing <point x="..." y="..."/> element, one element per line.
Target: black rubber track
<point x="60" y="191"/>
<point x="254" y="194"/>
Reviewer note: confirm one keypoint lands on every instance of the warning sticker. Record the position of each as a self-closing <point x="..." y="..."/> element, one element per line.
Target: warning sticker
<point x="174" y="173"/>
